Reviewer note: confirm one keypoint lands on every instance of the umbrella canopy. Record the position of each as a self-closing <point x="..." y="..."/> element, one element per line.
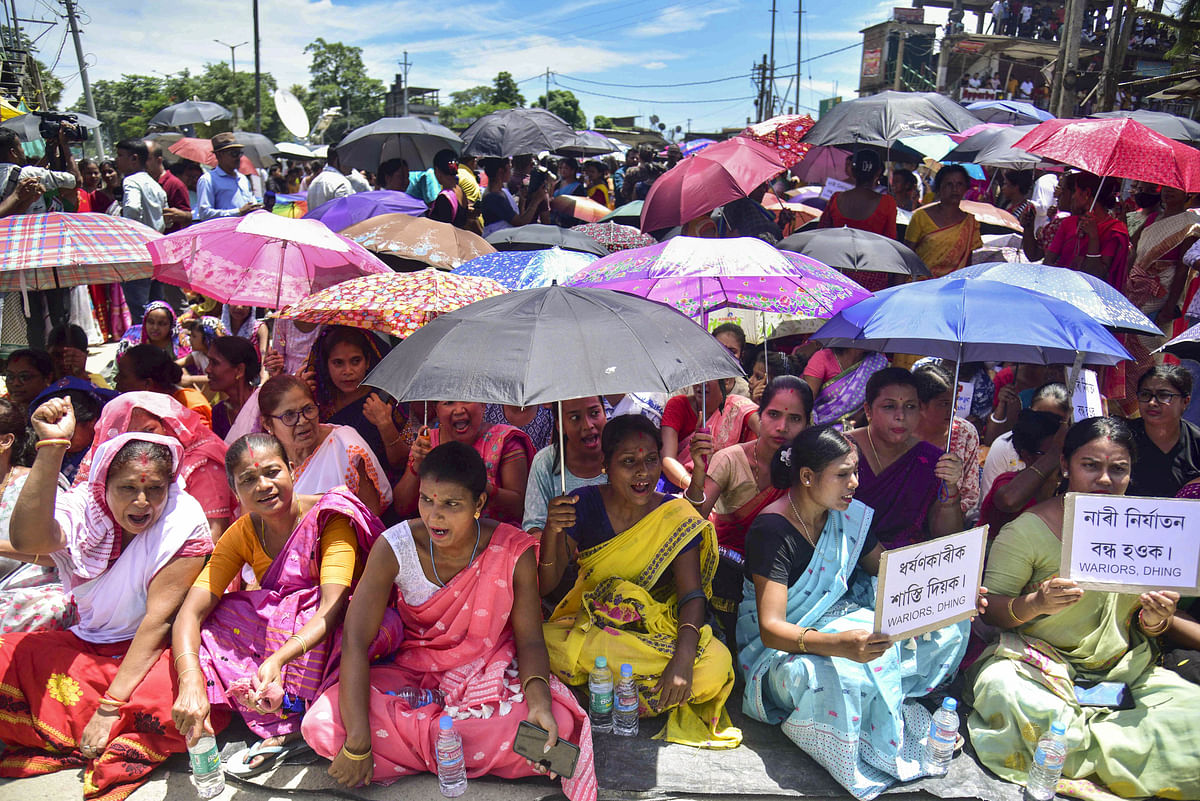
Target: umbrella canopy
<point x="695" y="146"/>
<point x="261" y="259"/>
<point x="586" y="144"/>
<point x="580" y="208"/>
<point x="881" y="119"/>
<point x="629" y="211"/>
<point x="293" y="151"/>
<point x="200" y="150"/>
<point x="989" y="216"/>
<point x="783" y="135"/>
<point x="972" y="321"/>
<point x="993" y="147"/>
<point x="549" y="344"/>
<point x="52" y="250"/>
<point x="930" y="146"/>
<point x="852" y="249"/>
<point x="540" y="237"/>
<point x="699" y="275"/>
<point x="517" y="131"/>
<point x="1181" y="129"/>
<point x="343" y="212"/>
<point x="189" y="112"/>
<point x="27" y="126"/>
<point x="418" y="239"/>
<point x="1013" y="112"/>
<point x="1120" y="148"/>
<point x="713" y="177"/>
<point x="615" y="236"/>
<point x="1186" y="345"/>
<point x="392" y="303"/>
<point x="821" y="163"/>
<point x="258" y="148"/>
<point x="526" y="269"/>
<point x="1092" y="295"/>
<point x="410" y="138"/>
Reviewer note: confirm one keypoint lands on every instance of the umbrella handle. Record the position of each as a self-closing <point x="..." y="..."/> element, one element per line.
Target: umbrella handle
<point x="562" y="451"/>
<point x="1072" y="379"/>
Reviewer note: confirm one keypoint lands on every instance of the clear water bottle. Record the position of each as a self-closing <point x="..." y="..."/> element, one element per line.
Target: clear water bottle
<point x="1047" y="763"/>
<point x="416" y="698"/>
<point x="206" y="767"/>
<point x="600" y="688"/>
<point x="451" y="764"/>
<point x="943" y="734"/>
<point x="625" y="704"/>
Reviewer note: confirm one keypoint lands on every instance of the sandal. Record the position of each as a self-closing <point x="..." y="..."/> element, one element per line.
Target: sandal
<point x="273" y="756"/>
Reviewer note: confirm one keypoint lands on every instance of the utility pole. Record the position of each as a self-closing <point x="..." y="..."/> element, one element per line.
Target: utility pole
<point x="257" y="76"/>
<point x="771" y="80"/>
<point x="1067" y="68"/>
<point x="1119" y="30"/>
<point x="232" y="57"/>
<point x="546" y="105"/>
<point x="898" y="81"/>
<point x="73" y="27"/>
<point x="799" y="26"/>
<point x="404" y="65"/>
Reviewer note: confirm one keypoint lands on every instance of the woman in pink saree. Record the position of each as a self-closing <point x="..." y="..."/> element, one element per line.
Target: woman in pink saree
<point x="466" y="590"/>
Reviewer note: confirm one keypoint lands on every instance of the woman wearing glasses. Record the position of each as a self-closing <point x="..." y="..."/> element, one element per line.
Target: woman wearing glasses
<point x="323" y="456"/>
<point x="1168" y="447"/>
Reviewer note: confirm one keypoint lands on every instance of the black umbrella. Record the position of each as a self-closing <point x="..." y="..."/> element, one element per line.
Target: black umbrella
<point x="190" y="112"/>
<point x="550" y="344"/>
<point x="852" y="249"/>
<point x="543" y="237"/>
<point x="413" y="139"/>
<point x="994" y="148"/>
<point x="1171" y="126"/>
<point x="879" y="120"/>
<point x="516" y="132"/>
<point x="258" y="148"/>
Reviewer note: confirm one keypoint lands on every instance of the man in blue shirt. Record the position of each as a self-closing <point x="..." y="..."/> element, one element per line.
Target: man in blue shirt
<point x="224" y="192"/>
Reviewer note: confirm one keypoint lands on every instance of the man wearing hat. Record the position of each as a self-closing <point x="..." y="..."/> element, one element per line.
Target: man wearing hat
<point x="224" y="192"/>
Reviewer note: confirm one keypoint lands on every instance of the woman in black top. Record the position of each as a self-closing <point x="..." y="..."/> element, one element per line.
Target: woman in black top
<point x="1168" y="447"/>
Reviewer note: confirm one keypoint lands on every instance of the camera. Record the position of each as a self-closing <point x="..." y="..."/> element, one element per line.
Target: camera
<point x="54" y="121"/>
<point x="537" y="177"/>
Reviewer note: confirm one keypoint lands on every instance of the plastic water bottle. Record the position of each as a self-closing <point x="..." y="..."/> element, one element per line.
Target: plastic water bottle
<point x="943" y="734"/>
<point x="206" y="767"/>
<point x="1047" y="763"/>
<point x="625" y="705"/>
<point x="415" y="697"/>
<point x="600" y="688"/>
<point x="452" y="766"/>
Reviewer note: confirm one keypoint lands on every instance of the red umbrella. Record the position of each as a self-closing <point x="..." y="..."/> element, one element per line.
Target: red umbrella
<point x="200" y="150"/>
<point x="713" y="177"/>
<point x="1117" y="148"/>
<point x="783" y="133"/>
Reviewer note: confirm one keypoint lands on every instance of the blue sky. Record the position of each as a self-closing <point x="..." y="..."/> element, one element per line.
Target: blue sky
<point x="590" y="44"/>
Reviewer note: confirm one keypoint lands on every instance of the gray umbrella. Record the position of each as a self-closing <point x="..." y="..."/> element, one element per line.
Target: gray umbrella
<point x="587" y="144"/>
<point x="544" y="237"/>
<point x="851" y="249"/>
<point x="518" y="131"/>
<point x="1171" y="126"/>
<point x="549" y="344"/>
<point x="413" y="139"/>
<point x="881" y="119"/>
<point x="26" y="126"/>
<point x="190" y="112"/>
<point x="994" y="148"/>
<point x="258" y="148"/>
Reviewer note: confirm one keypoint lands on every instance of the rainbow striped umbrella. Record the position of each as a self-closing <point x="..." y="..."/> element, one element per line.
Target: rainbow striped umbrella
<point x="53" y="250"/>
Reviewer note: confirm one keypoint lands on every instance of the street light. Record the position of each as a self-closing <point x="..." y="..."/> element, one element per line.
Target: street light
<point x="232" y="48"/>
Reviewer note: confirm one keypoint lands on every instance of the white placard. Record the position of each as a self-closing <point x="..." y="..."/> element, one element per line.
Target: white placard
<point x="929" y="585"/>
<point x="1123" y="543"/>
<point x="832" y="186"/>
<point x="962" y="401"/>
<point x="1086" y="398"/>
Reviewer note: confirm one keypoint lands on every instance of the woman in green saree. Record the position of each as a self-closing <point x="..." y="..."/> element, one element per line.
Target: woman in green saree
<point x="1056" y="635"/>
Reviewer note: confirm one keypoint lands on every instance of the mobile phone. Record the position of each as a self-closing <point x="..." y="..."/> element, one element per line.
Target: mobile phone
<point x="1107" y="694"/>
<point x="560" y="759"/>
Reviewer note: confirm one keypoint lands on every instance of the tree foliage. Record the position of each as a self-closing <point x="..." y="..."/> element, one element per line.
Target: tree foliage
<point x="564" y="103"/>
<point x="468" y="105"/>
<point x="505" y="92"/>
<point x="600" y="121"/>
<point x="339" y="78"/>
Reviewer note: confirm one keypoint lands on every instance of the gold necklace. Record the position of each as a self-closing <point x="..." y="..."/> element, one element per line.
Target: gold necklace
<point x="871" y="442"/>
<point x="808" y="537"/>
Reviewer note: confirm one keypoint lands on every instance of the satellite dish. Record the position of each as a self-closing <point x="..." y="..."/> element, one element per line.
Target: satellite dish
<point x="654" y="119"/>
<point x="291" y="113"/>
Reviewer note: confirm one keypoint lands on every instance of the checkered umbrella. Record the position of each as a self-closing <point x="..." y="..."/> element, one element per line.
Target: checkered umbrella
<point x="53" y="250"/>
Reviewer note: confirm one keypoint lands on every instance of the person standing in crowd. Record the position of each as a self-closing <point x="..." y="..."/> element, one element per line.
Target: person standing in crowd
<point x="1091" y="239"/>
<point x="178" y="212"/>
<point x="329" y="184"/>
<point x="905" y="190"/>
<point x="498" y="207"/>
<point x="865" y="209"/>
<point x="450" y="206"/>
<point x="142" y="199"/>
<point x="393" y="175"/>
<point x="224" y="192"/>
<point x="92" y="197"/>
<point x="1015" y="189"/>
<point x="942" y="234"/>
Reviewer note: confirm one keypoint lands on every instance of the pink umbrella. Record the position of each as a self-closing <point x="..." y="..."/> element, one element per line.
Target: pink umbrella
<point x="200" y="150"/>
<point x="822" y="162"/>
<point x="783" y="134"/>
<point x="261" y="259"/>
<point x="713" y="177"/>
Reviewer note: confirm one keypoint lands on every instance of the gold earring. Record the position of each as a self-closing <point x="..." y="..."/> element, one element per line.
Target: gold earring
<point x="476" y="514"/>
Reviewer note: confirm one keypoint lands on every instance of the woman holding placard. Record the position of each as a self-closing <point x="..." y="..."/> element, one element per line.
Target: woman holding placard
<point x="1056" y="636"/>
<point x="799" y="617"/>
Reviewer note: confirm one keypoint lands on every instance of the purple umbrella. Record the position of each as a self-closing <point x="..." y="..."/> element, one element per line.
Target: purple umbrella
<point x="343" y="212"/>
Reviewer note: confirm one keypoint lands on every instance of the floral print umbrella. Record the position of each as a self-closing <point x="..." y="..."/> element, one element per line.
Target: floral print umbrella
<point x="526" y="269"/>
<point x="783" y="134"/>
<point x="615" y="236"/>
<point x="392" y="303"/>
<point x="699" y="275"/>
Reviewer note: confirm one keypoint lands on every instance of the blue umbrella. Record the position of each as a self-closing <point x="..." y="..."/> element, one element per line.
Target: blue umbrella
<point x="1010" y="111"/>
<point x="1090" y="294"/>
<point x="527" y="269"/>
<point x="343" y="212"/>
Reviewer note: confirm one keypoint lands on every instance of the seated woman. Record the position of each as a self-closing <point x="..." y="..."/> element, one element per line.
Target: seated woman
<point x="202" y="332"/>
<point x="580" y="458"/>
<point x="838" y="377"/>
<point x="760" y="372"/>
<point x="240" y="321"/>
<point x="731" y="419"/>
<point x="68" y="348"/>
<point x="912" y="486"/>
<point x="1037" y="438"/>
<point x="88" y="401"/>
<point x="506" y="453"/>
<point x="537" y="421"/>
<point x="202" y="468"/>
<point x="128" y="544"/>
<point x="27" y="373"/>
<point x="938" y="423"/>
<point x="269" y="652"/>
<point x="1168" y="447"/>
<point x="232" y="366"/>
<point x="147" y="368"/>
<point x="466" y="591"/>
<point x="1057" y="635"/>
<point x="340" y="361"/>
<point x="158" y="328"/>
<point x="838" y="710"/>
<point x="321" y="455"/>
<point x="646" y="565"/>
<point x="16" y="452"/>
<point x="1002" y="456"/>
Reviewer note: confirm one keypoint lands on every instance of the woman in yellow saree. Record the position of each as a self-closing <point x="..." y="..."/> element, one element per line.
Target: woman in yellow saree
<point x="942" y="234"/>
<point x="646" y="564"/>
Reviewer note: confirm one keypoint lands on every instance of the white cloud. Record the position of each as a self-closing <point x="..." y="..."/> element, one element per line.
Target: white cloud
<point x="678" y="19"/>
<point x="654" y="65"/>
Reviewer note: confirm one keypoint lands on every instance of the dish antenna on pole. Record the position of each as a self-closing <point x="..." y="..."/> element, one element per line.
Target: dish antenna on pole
<point x="291" y="113"/>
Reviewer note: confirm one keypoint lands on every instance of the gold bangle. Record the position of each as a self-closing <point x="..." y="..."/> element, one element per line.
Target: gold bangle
<point x="45" y="443"/>
<point x="188" y="670"/>
<point x="545" y="564"/>
<point x="303" y="642"/>
<point x="353" y="756"/>
<point x="1166" y="624"/>
<point x="691" y="626"/>
<point x="800" y="646"/>
<point x="1012" y="614"/>
<point x="525" y="684"/>
<point x="185" y="653"/>
<point x="1034" y="468"/>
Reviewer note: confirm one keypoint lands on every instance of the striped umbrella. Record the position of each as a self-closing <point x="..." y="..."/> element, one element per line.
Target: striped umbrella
<point x="53" y="250"/>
